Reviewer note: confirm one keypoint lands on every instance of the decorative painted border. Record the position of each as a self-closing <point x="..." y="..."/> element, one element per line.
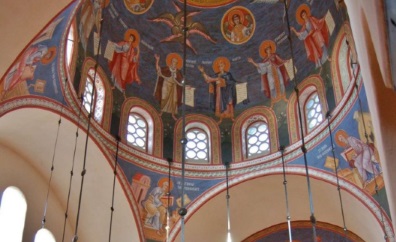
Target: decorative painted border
<point x="302" y="224"/>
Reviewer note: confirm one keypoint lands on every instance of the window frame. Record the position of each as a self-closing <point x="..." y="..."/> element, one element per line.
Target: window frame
<point x="198" y="161"/>
<point x="146" y="141"/>
<point x="268" y="140"/>
<point x="306" y="124"/>
<point x="92" y="79"/>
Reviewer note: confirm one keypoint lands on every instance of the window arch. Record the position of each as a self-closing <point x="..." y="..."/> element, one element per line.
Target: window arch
<point x="12" y="215"/>
<point x="344" y="54"/>
<point x="96" y="96"/>
<point x="95" y="78"/>
<point x="137" y="130"/>
<point x="197" y="147"/>
<point x="313" y="107"/>
<point x="70" y="45"/>
<point x="141" y="126"/>
<point x="313" y="112"/>
<point x="254" y="134"/>
<point x="202" y="128"/>
<point x="71" y="50"/>
<point x="257" y="139"/>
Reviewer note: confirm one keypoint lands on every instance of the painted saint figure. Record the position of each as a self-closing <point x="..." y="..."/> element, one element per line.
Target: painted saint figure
<point x="125" y="63"/>
<point x="138" y="6"/>
<point x="364" y="160"/>
<point x="238" y="25"/>
<point x="25" y="68"/>
<point x="155" y="208"/>
<point x="168" y="89"/>
<point x="274" y="77"/>
<point x="91" y="14"/>
<point x="221" y="88"/>
<point x="239" y="32"/>
<point x="314" y="33"/>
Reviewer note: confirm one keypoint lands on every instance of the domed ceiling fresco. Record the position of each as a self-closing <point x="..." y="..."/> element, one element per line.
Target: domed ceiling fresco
<point x="137" y="38"/>
<point x="249" y="88"/>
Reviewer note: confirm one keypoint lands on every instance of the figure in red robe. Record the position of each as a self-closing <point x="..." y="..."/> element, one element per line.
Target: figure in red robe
<point x="125" y="62"/>
<point x="315" y="34"/>
<point x="274" y="77"/>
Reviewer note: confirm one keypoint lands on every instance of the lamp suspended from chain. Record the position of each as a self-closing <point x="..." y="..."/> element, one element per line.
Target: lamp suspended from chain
<point x="303" y="147"/>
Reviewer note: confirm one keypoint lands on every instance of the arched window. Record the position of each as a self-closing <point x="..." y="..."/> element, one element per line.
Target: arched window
<point x="197" y="148"/>
<point x="137" y="131"/>
<point x="141" y="126"/>
<point x="313" y="105"/>
<point x="12" y="215"/>
<point x="344" y="53"/>
<point x="313" y="112"/>
<point x="203" y="140"/>
<point x="70" y="44"/>
<point x="95" y="87"/>
<point x="257" y="139"/>
<point x="97" y="97"/>
<point x="255" y="134"/>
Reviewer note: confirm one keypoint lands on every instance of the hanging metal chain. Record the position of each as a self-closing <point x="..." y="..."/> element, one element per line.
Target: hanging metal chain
<point x="227" y="166"/>
<point x="282" y="150"/>
<point x="183" y="210"/>
<point x="91" y="111"/>
<point x="168" y="205"/>
<point x="114" y="183"/>
<point x="337" y="177"/>
<point x="52" y="168"/>
<point x="72" y="171"/>
<point x="303" y="147"/>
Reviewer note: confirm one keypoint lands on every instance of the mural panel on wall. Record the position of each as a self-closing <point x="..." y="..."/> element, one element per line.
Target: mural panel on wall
<point x="160" y="198"/>
<point x="35" y="72"/>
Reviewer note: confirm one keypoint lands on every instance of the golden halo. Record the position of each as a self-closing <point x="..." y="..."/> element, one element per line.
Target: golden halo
<point x="169" y="58"/>
<point x="237" y="12"/>
<point x="165" y="179"/>
<point x="226" y="62"/>
<point x="133" y="32"/>
<point x="49" y="56"/>
<point x="300" y="9"/>
<point x="338" y="134"/>
<point x="264" y="45"/>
